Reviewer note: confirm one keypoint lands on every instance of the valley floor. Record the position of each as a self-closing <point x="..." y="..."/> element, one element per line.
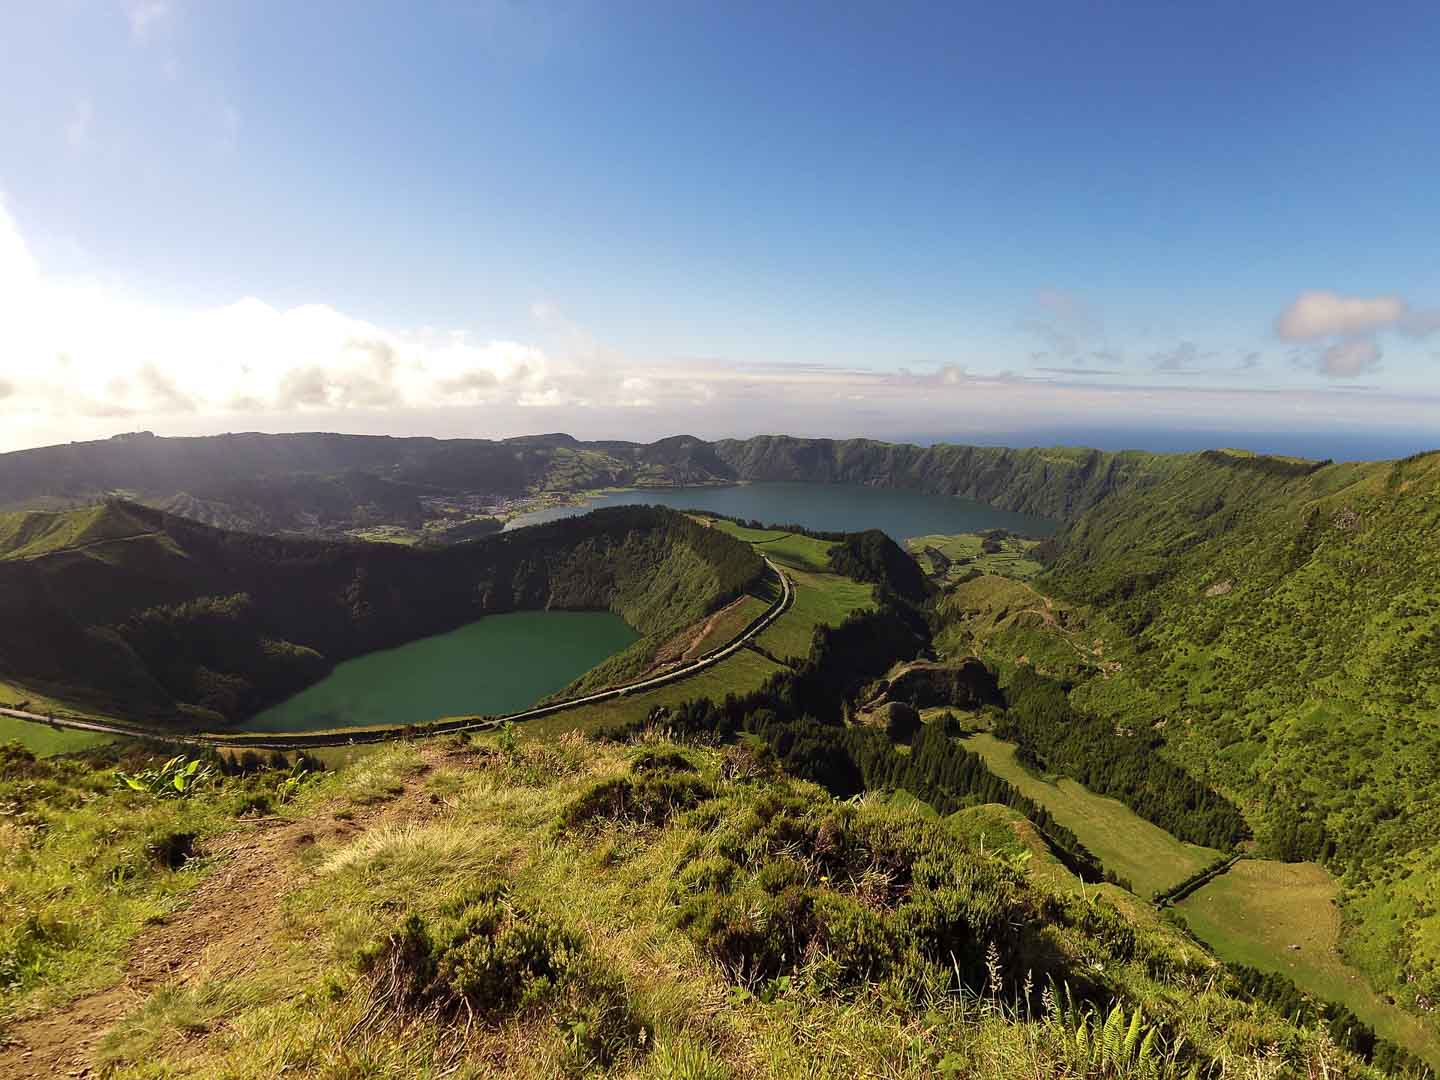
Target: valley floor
<point x="1282" y="917"/>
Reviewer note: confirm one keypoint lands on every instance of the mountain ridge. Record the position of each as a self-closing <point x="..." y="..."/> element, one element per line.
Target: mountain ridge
<point x="327" y="484"/>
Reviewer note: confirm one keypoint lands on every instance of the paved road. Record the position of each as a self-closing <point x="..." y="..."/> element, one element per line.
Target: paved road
<point x="302" y="740"/>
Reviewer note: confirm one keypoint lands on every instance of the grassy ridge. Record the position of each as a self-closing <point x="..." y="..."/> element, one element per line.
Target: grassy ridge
<point x="30" y="535"/>
<point x="637" y="960"/>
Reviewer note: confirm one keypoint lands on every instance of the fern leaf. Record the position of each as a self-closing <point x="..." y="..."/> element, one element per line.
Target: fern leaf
<point x="1146" y="1058"/>
<point x="1111" y="1037"/>
<point x="1132" y="1037"/>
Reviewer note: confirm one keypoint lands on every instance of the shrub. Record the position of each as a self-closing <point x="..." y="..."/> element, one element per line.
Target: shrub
<point x="648" y="799"/>
<point x="490" y="958"/>
<point x="749" y="759"/>
<point x="650" y="760"/>
<point x="862" y="895"/>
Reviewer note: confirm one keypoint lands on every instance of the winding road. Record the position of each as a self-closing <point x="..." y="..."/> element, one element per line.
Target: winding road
<point x="312" y="740"/>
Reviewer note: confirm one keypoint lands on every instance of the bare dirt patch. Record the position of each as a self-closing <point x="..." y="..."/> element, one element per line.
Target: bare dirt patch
<point x="694" y="639"/>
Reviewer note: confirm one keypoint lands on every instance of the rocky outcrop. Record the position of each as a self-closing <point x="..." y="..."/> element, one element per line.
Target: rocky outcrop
<point x="967" y="684"/>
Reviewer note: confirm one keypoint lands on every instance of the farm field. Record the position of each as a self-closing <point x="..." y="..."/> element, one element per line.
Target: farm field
<point x="45" y="741"/>
<point x="1125" y="842"/>
<point x="41" y="739"/>
<point x="962" y="553"/>
<point x="819" y="599"/>
<point x="1257" y="911"/>
<point x="786" y="548"/>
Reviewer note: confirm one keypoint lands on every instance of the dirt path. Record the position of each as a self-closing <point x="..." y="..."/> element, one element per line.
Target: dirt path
<point x="234" y="912"/>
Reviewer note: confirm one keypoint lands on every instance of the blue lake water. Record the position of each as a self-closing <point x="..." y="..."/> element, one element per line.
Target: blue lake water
<point x="827" y="507"/>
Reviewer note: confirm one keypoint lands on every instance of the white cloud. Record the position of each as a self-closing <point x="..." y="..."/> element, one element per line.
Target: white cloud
<point x="144" y="15"/>
<point x="81" y="360"/>
<point x="18" y="272"/>
<point x="1316" y="315"/>
<point x="90" y="351"/>
<point x="1349" y="359"/>
<point x="636" y="392"/>
<point x="1184" y="359"/>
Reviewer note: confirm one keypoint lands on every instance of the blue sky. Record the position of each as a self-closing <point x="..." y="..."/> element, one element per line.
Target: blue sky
<point x="629" y="219"/>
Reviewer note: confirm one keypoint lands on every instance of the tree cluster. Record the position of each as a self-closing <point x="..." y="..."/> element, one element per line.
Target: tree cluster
<point x="1127" y="766"/>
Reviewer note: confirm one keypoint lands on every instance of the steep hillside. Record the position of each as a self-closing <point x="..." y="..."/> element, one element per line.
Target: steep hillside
<point x="329" y="485"/>
<point x="1277" y="624"/>
<point x="129" y="608"/>
<point x="1057" y="482"/>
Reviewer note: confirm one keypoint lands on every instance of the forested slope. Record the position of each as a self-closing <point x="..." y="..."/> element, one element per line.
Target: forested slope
<point x="129" y="608"/>
<point x="1277" y="622"/>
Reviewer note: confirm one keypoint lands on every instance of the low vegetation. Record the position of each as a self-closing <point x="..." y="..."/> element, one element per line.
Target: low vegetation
<point x="951" y="559"/>
<point x="1054" y="735"/>
<point x="1282" y="919"/>
<point x="1276" y="627"/>
<point x="96" y="845"/>
<point x="522" y="925"/>
<point x="1235" y="649"/>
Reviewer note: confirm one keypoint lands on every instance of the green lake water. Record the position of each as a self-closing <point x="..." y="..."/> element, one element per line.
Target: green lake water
<point x="826" y="507"/>
<point x="500" y="664"/>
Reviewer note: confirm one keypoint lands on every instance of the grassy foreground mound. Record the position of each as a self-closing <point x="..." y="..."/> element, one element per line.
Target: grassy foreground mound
<point x="482" y="908"/>
<point x="122" y="608"/>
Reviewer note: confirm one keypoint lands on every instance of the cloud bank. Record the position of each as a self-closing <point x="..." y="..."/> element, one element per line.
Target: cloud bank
<point x="81" y="360"/>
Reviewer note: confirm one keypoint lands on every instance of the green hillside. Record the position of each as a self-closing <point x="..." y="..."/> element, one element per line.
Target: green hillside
<point x="1275" y="625"/>
<point x="125" y="608"/>
<point x="1057" y="482"/>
